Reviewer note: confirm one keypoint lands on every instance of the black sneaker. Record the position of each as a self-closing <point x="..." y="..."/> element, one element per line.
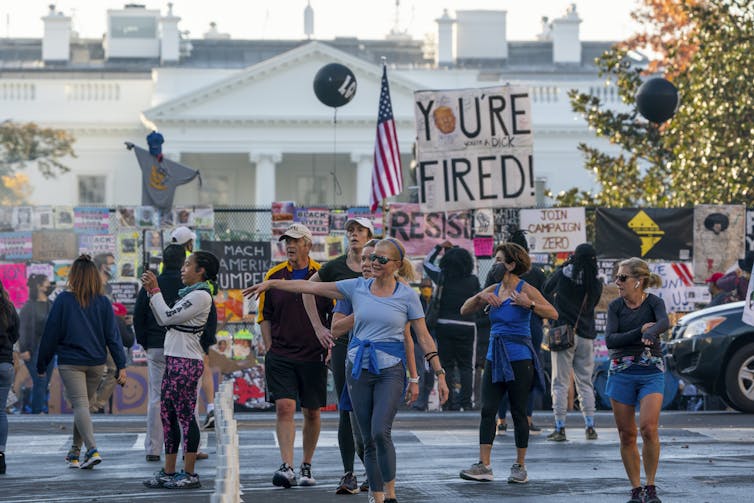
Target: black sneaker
<point x="591" y="433"/>
<point x="209" y="420"/>
<point x="2" y="463"/>
<point x="558" y="435"/>
<point x="534" y="429"/>
<point x="348" y="484"/>
<point x="502" y="428"/>
<point x="364" y="484"/>
<point x="637" y="494"/>
<point x="650" y="495"/>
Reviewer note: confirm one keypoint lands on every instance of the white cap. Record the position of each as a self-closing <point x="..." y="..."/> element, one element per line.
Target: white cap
<point x="364" y="222"/>
<point x="297" y="231"/>
<point x="181" y="236"/>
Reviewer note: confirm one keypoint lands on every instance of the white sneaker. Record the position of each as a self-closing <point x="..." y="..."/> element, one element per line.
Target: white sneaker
<point x="284" y="476"/>
<point x="305" y="475"/>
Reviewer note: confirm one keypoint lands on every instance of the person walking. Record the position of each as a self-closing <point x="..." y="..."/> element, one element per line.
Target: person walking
<point x="358" y="231"/>
<point x="512" y="366"/>
<point x="635" y="322"/>
<point x="151" y="336"/>
<point x="536" y="278"/>
<point x="575" y="291"/>
<point x="455" y="333"/>
<point x="9" y="334"/>
<point x="107" y="268"/>
<point x="295" y="360"/>
<point x="186" y="321"/>
<point x="376" y="371"/>
<point x="33" y="317"/>
<point x="81" y="329"/>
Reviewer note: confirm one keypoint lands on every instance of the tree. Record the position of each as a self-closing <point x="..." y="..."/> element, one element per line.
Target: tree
<point x="703" y="154"/>
<point x="22" y="144"/>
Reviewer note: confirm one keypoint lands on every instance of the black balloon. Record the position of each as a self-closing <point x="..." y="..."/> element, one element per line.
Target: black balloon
<point x="334" y="85"/>
<point x="657" y="100"/>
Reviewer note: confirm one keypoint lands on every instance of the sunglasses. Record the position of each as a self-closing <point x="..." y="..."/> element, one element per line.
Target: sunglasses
<point x="382" y="260"/>
<point x="622" y="277"/>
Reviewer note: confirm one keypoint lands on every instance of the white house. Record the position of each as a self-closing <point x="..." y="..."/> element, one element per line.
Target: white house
<point x="244" y="112"/>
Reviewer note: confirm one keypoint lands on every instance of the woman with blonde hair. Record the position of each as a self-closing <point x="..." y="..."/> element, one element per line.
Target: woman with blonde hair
<point x="635" y="321"/>
<point x="376" y="371"/>
<point x="80" y="329"/>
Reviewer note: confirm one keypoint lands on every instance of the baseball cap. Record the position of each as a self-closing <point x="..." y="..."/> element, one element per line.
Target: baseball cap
<point x="182" y="235"/>
<point x="297" y="231"/>
<point x="364" y="222"/>
<point x="715" y="276"/>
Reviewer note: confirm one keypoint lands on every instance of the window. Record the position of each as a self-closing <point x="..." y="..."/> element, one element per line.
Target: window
<point x="92" y="189"/>
<point x="133" y="27"/>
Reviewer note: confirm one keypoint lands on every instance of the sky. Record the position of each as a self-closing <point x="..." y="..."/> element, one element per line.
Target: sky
<point x="606" y="20"/>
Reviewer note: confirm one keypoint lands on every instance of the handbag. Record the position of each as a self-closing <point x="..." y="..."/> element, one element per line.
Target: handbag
<point x="562" y="337"/>
<point x="433" y="310"/>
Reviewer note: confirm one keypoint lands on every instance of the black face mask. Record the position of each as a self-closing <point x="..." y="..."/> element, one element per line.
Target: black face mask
<point x="49" y="290"/>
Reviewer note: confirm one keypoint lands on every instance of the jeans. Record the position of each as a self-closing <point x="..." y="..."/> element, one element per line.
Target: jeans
<point x="81" y="383"/>
<point x="154" y="440"/>
<point x="39" y="384"/>
<point x="375" y="399"/>
<point x="6" y="380"/>
<point x="580" y="359"/>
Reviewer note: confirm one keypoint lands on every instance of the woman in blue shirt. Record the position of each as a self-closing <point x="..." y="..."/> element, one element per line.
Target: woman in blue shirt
<point x="512" y="364"/>
<point x="635" y="321"/>
<point x="376" y="370"/>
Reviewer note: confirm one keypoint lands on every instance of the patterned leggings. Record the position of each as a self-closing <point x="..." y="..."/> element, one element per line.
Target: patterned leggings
<point x="178" y="395"/>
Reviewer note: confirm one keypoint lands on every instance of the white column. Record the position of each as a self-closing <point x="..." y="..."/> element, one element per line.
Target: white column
<point x="364" y="163"/>
<point x="264" y="181"/>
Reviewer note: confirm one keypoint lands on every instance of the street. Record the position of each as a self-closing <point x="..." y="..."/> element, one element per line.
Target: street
<point x="706" y="457"/>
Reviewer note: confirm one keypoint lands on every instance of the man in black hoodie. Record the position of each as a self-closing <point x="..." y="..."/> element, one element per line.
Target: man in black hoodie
<point x="151" y="337"/>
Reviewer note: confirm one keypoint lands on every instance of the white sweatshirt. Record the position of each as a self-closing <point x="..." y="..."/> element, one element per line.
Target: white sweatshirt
<point x="190" y="311"/>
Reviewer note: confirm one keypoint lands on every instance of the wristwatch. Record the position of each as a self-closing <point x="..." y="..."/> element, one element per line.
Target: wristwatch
<point x="533" y="305"/>
<point x="439" y="372"/>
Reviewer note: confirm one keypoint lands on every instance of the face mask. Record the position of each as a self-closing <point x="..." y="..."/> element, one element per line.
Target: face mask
<point x="49" y="290"/>
<point x="113" y="270"/>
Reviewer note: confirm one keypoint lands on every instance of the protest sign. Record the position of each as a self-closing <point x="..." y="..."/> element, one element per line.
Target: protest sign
<point x="13" y="278"/>
<point x="719" y="238"/>
<point x="92" y="220"/>
<point x="553" y="230"/>
<point x="15" y="246"/>
<point x="54" y="245"/>
<point x="94" y="244"/>
<point x="124" y="292"/>
<point x="317" y="220"/>
<point x="242" y="263"/>
<point x="420" y="232"/>
<point x="474" y="148"/>
<point x="678" y="290"/>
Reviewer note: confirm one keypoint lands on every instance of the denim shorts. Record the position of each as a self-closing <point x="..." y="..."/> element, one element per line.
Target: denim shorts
<point x="630" y="387"/>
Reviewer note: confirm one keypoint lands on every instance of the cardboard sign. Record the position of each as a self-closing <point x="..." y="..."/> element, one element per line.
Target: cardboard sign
<point x="474" y="148"/>
<point x="719" y="238"/>
<point x="420" y="232"/>
<point x="242" y="263"/>
<point x="54" y="245"/>
<point x="124" y="292"/>
<point x="552" y="230"/>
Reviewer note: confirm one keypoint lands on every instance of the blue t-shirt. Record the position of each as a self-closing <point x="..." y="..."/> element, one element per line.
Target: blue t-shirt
<point x="512" y="321"/>
<point x="300" y="273"/>
<point x="379" y="319"/>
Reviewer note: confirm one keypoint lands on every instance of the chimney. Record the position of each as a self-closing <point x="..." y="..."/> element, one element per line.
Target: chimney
<point x="214" y="34"/>
<point x="308" y="21"/>
<point x="445" y="39"/>
<point x="481" y="35"/>
<point x="170" y="44"/>
<point x="566" y="45"/>
<point x="56" y="44"/>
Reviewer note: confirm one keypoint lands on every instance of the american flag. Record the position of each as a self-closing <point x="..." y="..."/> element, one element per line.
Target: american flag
<point x="387" y="176"/>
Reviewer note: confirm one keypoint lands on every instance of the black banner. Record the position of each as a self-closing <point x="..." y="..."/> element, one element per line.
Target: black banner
<point x="649" y="233"/>
<point x="242" y="263"/>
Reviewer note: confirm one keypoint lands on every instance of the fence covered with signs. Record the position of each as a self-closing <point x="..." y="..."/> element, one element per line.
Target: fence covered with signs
<point x="683" y="245"/>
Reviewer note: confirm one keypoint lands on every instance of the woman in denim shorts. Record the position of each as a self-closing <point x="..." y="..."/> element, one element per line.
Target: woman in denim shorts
<point x="635" y="321"/>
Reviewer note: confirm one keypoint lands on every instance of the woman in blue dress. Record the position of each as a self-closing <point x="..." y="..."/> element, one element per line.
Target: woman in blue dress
<point x="512" y="366"/>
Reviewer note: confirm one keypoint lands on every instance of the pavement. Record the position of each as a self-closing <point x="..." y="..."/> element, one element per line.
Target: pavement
<point x="706" y="457"/>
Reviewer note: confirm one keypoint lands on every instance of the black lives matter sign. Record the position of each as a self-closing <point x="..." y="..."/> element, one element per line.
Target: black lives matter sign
<point x="242" y="263"/>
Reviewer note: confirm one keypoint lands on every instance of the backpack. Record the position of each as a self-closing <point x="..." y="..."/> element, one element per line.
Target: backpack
<point x="208" y="338"/>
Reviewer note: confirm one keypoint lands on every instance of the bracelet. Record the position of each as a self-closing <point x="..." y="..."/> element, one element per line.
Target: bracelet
<point x="439" y="372"/>
<point x="414" y="380"/>
<point x="154" y="291"/>
<point x="430" y="355"/>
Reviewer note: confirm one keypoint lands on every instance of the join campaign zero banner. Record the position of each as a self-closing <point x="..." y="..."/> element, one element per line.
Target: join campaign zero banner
<point x="474" y="148"/>
<point x="648" y="233"/>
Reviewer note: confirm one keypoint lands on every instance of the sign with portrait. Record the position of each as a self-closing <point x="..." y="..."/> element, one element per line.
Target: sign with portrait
<point x="719" y="238"/>
<point x="474" y="148"/>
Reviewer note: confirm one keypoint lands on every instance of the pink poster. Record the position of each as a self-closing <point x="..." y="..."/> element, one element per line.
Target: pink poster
<point x="13" y="277"/>
<point x="420" y="232"/>
<point x="483" y="246"/>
